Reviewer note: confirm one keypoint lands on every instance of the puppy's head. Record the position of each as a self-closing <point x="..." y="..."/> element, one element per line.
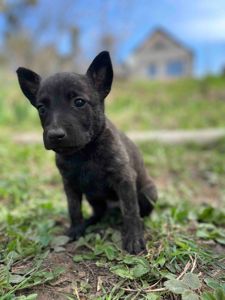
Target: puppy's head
<point x="70" y="106"/>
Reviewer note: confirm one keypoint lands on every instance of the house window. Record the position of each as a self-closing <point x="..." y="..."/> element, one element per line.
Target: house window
<point x="175" y="68"/>
<point x="152" y="70"/>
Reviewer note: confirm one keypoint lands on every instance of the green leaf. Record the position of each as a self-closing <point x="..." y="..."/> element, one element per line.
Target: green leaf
<point x="122" y="271"/>
<point x="189" y="295"/>
<point x="219" y="294"/>
<point x="140" y="270"/>
<point x="161" y="261"/>
<point x="140" y="265"/>
<point x="167" y="275"/>
<point x="44" y="240"/>
<point x="59" y="249"/>
<point x="48" y="275"/>
<point x="32" y="297"/>
<point x="192" y="281"/>
<point x="59" y="240"/>
<point x="16" y="278"/>
<point x="203" y="234"/>
<point x="111" y="252"/>
<point x="58" y="270"/>
<point x="176" y="286"/>
<point x="134" y="260"/>
<point x="206" y="214"/>
<point x="213" y="284"/>
<point x="207" y="296"/>
<point x="29" y="297"/>
<point x="78" y="258"/>
<point x="99" y="249"/>
<point x="85" y="256"/>
<point x="89" y="256"/>
<point x="220" y="240"/>
<point x="152" y="296"/>
<point x="130" y="259"/>
<point x="116" y="238"/>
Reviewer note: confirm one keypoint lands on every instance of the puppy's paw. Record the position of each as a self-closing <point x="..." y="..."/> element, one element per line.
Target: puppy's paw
<point x="75" y="232"/>
<point x="134" y="244"/>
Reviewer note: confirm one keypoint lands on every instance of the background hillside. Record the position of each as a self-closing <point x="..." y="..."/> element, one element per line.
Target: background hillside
<point x="133" y="106"/>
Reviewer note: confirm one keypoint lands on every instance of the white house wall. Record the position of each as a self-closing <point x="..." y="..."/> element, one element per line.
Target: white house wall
<point x="139" y="62"/>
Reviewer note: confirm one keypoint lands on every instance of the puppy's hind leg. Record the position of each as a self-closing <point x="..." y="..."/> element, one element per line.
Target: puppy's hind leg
<point x="147" y="196"/>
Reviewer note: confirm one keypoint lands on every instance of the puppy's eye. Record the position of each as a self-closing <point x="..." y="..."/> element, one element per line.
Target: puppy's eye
<point x="41" y="110"/>
<point x="79" y="102"/>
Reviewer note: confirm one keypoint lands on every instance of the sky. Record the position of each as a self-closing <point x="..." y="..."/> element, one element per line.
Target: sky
<point x="199" y="24"/>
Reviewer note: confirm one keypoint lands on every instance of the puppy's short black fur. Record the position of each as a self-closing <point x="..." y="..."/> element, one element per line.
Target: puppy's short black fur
<point x="93" y="157"/>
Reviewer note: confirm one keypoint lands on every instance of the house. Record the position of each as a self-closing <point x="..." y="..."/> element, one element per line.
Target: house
<point x="161" y="57"/>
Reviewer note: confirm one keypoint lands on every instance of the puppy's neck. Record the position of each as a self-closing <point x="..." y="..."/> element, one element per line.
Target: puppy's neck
<point x="97" y="137"/>
<point x="89" y="149"/>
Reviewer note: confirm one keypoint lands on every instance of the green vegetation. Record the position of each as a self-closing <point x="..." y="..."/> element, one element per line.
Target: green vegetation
<point x="134" y="106"/>
<point x="185" y="234"/>
<point x="180" y="104"/>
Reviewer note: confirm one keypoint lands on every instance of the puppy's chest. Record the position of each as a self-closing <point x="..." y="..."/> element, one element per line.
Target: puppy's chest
<point x="90" y="176"/>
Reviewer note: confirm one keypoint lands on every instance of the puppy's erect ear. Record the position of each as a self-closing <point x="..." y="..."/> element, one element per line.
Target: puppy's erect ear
<point x="29" y="83"/>
<point x="101" y="73"/>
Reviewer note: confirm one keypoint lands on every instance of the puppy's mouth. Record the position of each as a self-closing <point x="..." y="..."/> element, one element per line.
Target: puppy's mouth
<point x="66" y="150"/>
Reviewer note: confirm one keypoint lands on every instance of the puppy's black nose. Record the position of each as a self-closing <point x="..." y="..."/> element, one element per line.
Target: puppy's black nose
<point x="56" y="134"/>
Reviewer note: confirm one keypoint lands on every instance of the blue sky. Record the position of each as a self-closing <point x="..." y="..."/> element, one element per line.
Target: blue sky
<point x="199" y="24"/>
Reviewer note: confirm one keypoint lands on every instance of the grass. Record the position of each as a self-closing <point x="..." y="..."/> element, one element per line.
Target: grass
<point x="172" y="105"/>
<point x="185" y="235"/>
<point x="184" y="239"/>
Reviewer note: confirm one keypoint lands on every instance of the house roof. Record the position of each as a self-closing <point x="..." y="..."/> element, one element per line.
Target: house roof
<point x="167" y="35"/>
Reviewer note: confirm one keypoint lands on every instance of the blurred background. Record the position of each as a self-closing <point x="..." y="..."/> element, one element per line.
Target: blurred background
<point x="49" y="36"/>
<point x="172" y="51"/>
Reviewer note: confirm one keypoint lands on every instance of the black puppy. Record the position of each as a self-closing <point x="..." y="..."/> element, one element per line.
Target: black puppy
<point x="93" y="157"/>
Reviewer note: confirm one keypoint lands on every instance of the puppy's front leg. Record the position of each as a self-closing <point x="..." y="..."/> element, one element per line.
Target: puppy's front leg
<point x="74" y="198"/>
<point x="132" y="234"/>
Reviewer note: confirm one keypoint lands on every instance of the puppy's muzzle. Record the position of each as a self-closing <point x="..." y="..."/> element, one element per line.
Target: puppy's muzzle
<point x="55" y="138"/>
<point x="56" y="135"/>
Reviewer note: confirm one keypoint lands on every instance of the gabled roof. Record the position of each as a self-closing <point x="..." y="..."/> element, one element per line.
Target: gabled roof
<point x="167" y="35"/>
